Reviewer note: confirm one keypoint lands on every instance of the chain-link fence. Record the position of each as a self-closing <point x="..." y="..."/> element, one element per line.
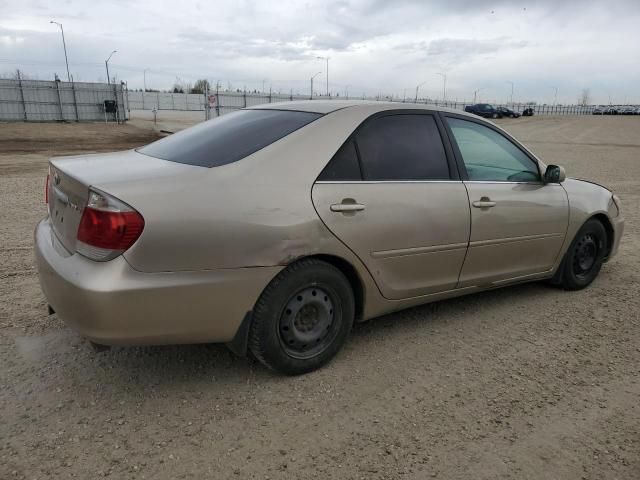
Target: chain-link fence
<point x="219" y="103"/>
<point x="40" y="101"/>
<point x="47" y="101"/>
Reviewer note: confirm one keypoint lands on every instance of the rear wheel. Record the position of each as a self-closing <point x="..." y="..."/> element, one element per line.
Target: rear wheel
<point x="583" y="260"/>
<point x="302" y="318"/>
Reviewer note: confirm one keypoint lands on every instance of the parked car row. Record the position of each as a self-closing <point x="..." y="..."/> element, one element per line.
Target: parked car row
<point x="487" y="110"/>
<point x="616" y="110"/>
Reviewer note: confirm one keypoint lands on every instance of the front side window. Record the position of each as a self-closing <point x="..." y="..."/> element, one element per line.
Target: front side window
<point x="229" y="138"/>
<point x="402" y="147"/>
<point x="490" y="156"/>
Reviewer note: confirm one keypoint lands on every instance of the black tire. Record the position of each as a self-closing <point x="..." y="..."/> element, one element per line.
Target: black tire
<point x="495" y="115"/>
<point x="302" y="318"/>
<point x="583" y="260"/>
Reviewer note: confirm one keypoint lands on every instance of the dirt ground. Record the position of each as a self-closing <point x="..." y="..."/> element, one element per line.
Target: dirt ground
<point x="528" y="382"/>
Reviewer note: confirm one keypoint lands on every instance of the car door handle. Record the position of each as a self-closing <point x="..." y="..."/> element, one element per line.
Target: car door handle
<point x="347" y="207"/>
<point x="484" y="202"/>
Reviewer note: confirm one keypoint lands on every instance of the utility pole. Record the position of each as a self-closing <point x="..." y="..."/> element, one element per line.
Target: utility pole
<point x="509" y="81"/>
<point x="327" y="59"/>
<point x="444" y="86"/>
<point x="314" y="76"/>
<point x="64" y="45"/>
<point x="144" y="73"/>
<point x="418" y="88"/>
<point x="106" y="64"/>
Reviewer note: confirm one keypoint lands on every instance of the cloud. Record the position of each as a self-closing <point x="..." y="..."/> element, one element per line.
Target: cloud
<point x="375" y="45"/>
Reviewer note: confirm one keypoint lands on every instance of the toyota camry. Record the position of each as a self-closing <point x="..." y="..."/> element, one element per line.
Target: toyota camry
<point x="274" y="228"/>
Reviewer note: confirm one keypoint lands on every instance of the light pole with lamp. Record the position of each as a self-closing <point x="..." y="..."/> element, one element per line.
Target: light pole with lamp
<point x="327" y="59"/>
<point x="509" y="81"/>
<point x="555" y="97"/>
<point x="444" y="86"/>
<point x="106" y="64"/>
<point x="475" y="94"/>
<point x="314" y="76"/>
<point x="64" y="45"/>
<point x="418" y="88"/>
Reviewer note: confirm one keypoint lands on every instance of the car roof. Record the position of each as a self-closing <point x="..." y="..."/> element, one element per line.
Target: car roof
<point x="328" y="106"/>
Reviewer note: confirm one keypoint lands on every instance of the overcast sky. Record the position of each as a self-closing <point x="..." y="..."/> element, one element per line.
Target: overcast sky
<point x="375" y="46"/>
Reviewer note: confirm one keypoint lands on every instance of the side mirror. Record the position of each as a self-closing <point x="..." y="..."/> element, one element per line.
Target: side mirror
<point x="554" y="174"/>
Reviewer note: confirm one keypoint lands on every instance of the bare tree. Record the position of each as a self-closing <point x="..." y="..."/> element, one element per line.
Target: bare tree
<point x="585" y="97"/>
<point x="201" y="86"/>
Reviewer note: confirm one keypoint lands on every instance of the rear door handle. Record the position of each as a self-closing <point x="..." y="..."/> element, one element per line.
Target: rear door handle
<point x="347" y="207"/>
<point x="484" y="202"/>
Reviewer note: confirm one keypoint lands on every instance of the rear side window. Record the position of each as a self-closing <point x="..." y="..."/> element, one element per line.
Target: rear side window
<point x="229" y="138"/>
<point x="402" y="147"/>
<point x="344" y="165"/>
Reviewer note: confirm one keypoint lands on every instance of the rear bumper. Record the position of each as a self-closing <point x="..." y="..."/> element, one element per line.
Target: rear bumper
<point x="111" y="303"/>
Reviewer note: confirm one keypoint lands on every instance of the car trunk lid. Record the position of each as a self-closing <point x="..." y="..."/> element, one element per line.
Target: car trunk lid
<point x="70" y="179"/>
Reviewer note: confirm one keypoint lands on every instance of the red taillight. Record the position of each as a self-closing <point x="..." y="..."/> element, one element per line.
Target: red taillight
<point x="110" y="230"/>
<point x="108" y="227"/>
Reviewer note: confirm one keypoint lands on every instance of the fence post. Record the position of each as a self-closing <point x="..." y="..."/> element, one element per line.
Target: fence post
<point x="59" y="98"/>
<point x="217" y="99"/>
<point x="24" y="104"/>
<point x="75" y="99"/>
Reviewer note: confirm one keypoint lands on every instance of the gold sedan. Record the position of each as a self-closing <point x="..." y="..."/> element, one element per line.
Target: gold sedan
<point x="274" y="228"/>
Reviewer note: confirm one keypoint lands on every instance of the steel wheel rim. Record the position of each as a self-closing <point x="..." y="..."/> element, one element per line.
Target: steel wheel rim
<point x="585" y="255"/>
<point x="307" y="324"/>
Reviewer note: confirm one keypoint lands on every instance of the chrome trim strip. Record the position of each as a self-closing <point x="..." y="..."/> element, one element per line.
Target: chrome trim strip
<point x="357" y="182"/>
<point x="496" y="182"/>
<point x="526" y="238"/>
<point x="418" y="250"/>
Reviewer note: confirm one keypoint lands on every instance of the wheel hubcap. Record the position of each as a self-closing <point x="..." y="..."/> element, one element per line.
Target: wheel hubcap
<point x="307" y="322"/>
<point x="585" y="255"/>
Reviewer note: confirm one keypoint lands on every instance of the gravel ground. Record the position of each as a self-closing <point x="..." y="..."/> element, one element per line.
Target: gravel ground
<point x="528" y="382"/>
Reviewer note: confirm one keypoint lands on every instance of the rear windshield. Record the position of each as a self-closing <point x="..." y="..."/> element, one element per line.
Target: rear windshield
<point x="228" y="138"/>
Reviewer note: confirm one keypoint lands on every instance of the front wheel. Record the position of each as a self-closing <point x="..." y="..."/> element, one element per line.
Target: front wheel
<point x="302" y="318"/>
<point x="495" y="115"/>
<point x="585" y="255"/>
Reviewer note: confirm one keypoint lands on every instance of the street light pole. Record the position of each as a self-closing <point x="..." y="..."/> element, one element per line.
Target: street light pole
<point x="508" y="81"/>
<point x="106" y="64"/>
<point x="327" y="59"/>
<point x="346" y="91"/>
<point x="418" y="88"/>
<point x="64" y="45"/>
<point x="475" y="94"/>
<point x="555" y="97"/>
<point x="144" y="73"/>
<point x="314" y="76"/>
<point x="444" y="86"/>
